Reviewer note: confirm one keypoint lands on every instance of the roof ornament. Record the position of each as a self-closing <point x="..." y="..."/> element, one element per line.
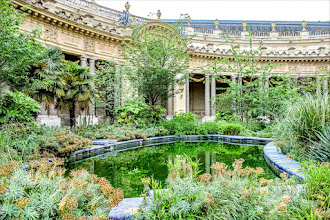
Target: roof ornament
<point x="159" y="14"/>
<point x="124" y="18"/>
<point x="188" y="20"/>
<point x="216" y="23"/>
<point x="244" y="24"/>
<point x="273" y="25"/>
<point x="304" y="24"/>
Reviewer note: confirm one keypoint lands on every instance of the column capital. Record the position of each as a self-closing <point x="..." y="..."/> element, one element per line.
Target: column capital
<point x="92" y="59"/>
<point x="83" y="57"/>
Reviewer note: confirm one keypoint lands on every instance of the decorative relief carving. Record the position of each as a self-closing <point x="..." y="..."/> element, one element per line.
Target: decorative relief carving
<point x="103" y="48"/>
<point x="89" y="44"/>
<point x="68" y="39"/>
<point x="50" y="32"/>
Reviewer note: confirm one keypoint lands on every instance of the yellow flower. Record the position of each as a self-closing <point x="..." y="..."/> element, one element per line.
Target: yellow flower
<point x="286" y="199"/>
<point x="263" y="182"/>
<point x="264" y="191"/>
<point x="3" y="189"/>
<point x="22" y="202"/>
<point x="244" y="192"/>
<point x="282" y="207"/>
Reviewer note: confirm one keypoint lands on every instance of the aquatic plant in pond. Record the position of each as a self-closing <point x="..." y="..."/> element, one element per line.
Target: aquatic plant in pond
<point x="126" y="169"/>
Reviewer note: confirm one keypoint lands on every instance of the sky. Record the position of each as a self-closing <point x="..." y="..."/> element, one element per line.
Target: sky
<point x="280" y="10"/>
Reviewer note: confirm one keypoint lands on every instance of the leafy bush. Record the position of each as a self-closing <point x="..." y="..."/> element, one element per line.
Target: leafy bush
<point x="299" y="131"/>
<point x="315" y="201"/>
<point x="237" y="193"/>
<point x="120" y="132"/>
<point x="182" y="124"/>
<point x="228" y="115"/>
<point x="21" y="141"/>
<point x="187" y="124"/>
<point x="17" y="107"/>
<point x="317" y="180"/>
<point x="41" y="191"/>
<point x="139" y="113"/>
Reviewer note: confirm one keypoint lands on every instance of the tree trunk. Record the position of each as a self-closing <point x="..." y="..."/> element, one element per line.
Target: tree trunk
<point x="72" y="111"/>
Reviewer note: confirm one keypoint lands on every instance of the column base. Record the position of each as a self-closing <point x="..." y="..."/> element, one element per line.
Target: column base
<point x="87" y="120"/>
<point x="208" y="119"/>
<point x="51" y="120"/>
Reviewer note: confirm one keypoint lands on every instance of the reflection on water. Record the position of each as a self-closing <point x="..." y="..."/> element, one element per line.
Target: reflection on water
<point x="126" y="168"/>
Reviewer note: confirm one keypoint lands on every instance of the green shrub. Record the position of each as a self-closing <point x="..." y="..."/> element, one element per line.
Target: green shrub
<point x="139" y="113"/>
<point x="238" y="193"/>
<point x="315" y="199"/>
<point x="119" y="131"/>
<point x="299" y="131"/>
<point x="231" y="129"/>
<point x="182" y="124"/>
<point x="21" y="141"/>
<point x="17" y="107"/>
<point x="42" y="192"/>
<point x="317" y="183"/>
<point x="229" y="116"/>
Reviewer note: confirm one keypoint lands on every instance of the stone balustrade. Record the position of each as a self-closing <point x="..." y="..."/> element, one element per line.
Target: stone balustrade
<point x="97" y="9"/>
<point x="264" y="35"/>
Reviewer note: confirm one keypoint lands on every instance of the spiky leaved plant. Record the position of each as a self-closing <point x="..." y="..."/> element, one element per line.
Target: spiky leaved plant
<point x="41" y="191"/>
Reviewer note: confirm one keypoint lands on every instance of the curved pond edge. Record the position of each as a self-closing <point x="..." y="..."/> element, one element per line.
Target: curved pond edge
<point x="102" y="146"/>
<point x="275" y="159"/>
<point x="279" y="162"/>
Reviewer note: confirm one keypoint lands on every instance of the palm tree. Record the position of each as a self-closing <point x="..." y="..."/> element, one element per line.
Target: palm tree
<point x="78" y="89"/>
<point x="46" y="78"/>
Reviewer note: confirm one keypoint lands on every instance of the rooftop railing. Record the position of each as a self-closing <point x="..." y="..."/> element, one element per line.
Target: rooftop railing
<point x="271" y="35"/>
<point x="92" y="7"/>
<point x="102" y="10"/>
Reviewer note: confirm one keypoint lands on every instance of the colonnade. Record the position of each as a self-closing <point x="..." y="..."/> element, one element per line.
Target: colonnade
<point x="210" y="93"/>
<point x="87" y="116"/>
<point x="83" y="62"/>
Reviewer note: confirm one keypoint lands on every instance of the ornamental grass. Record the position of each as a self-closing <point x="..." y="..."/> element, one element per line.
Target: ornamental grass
<point x="234" y="192"/>
<point x="41" y="191"/>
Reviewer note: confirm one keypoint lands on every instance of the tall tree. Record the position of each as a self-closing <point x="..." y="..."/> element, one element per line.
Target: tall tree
<point x="107" y="85"/>
<point x="78" y="90"/>
<point x="158" y="58"/>
<point x="46" y="78"/>
<point x="19" y="50"/>
<point x="249" y="97"/>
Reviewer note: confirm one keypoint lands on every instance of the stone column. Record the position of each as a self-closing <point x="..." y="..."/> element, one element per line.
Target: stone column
<point x="213" y="93"/>
<point x="92" y="64"/>
<point x="207" y="95"/>
<point x="325" y="87"/>
<point x="170" y="106"/>
<point x="233" y="78"/>
<point x="170" y="103"/>
<point x="187" y="94"/>
<point x="267" y="82"/>
<point x="52" y="110"/>
<point x="83" y="61"/>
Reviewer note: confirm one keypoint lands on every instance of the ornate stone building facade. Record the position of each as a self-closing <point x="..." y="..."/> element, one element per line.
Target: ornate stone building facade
<point x="89" y="32"/>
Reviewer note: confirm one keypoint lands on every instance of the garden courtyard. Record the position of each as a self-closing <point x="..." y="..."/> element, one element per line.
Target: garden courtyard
<point x="108" y="115"/>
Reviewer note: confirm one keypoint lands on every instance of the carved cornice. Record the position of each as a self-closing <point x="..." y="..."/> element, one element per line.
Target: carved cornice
<point x="56" y="15"/>
<point x="67" y="24"/>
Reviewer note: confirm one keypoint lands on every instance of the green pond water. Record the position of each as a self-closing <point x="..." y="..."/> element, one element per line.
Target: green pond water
<point x="126" y="169"/>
